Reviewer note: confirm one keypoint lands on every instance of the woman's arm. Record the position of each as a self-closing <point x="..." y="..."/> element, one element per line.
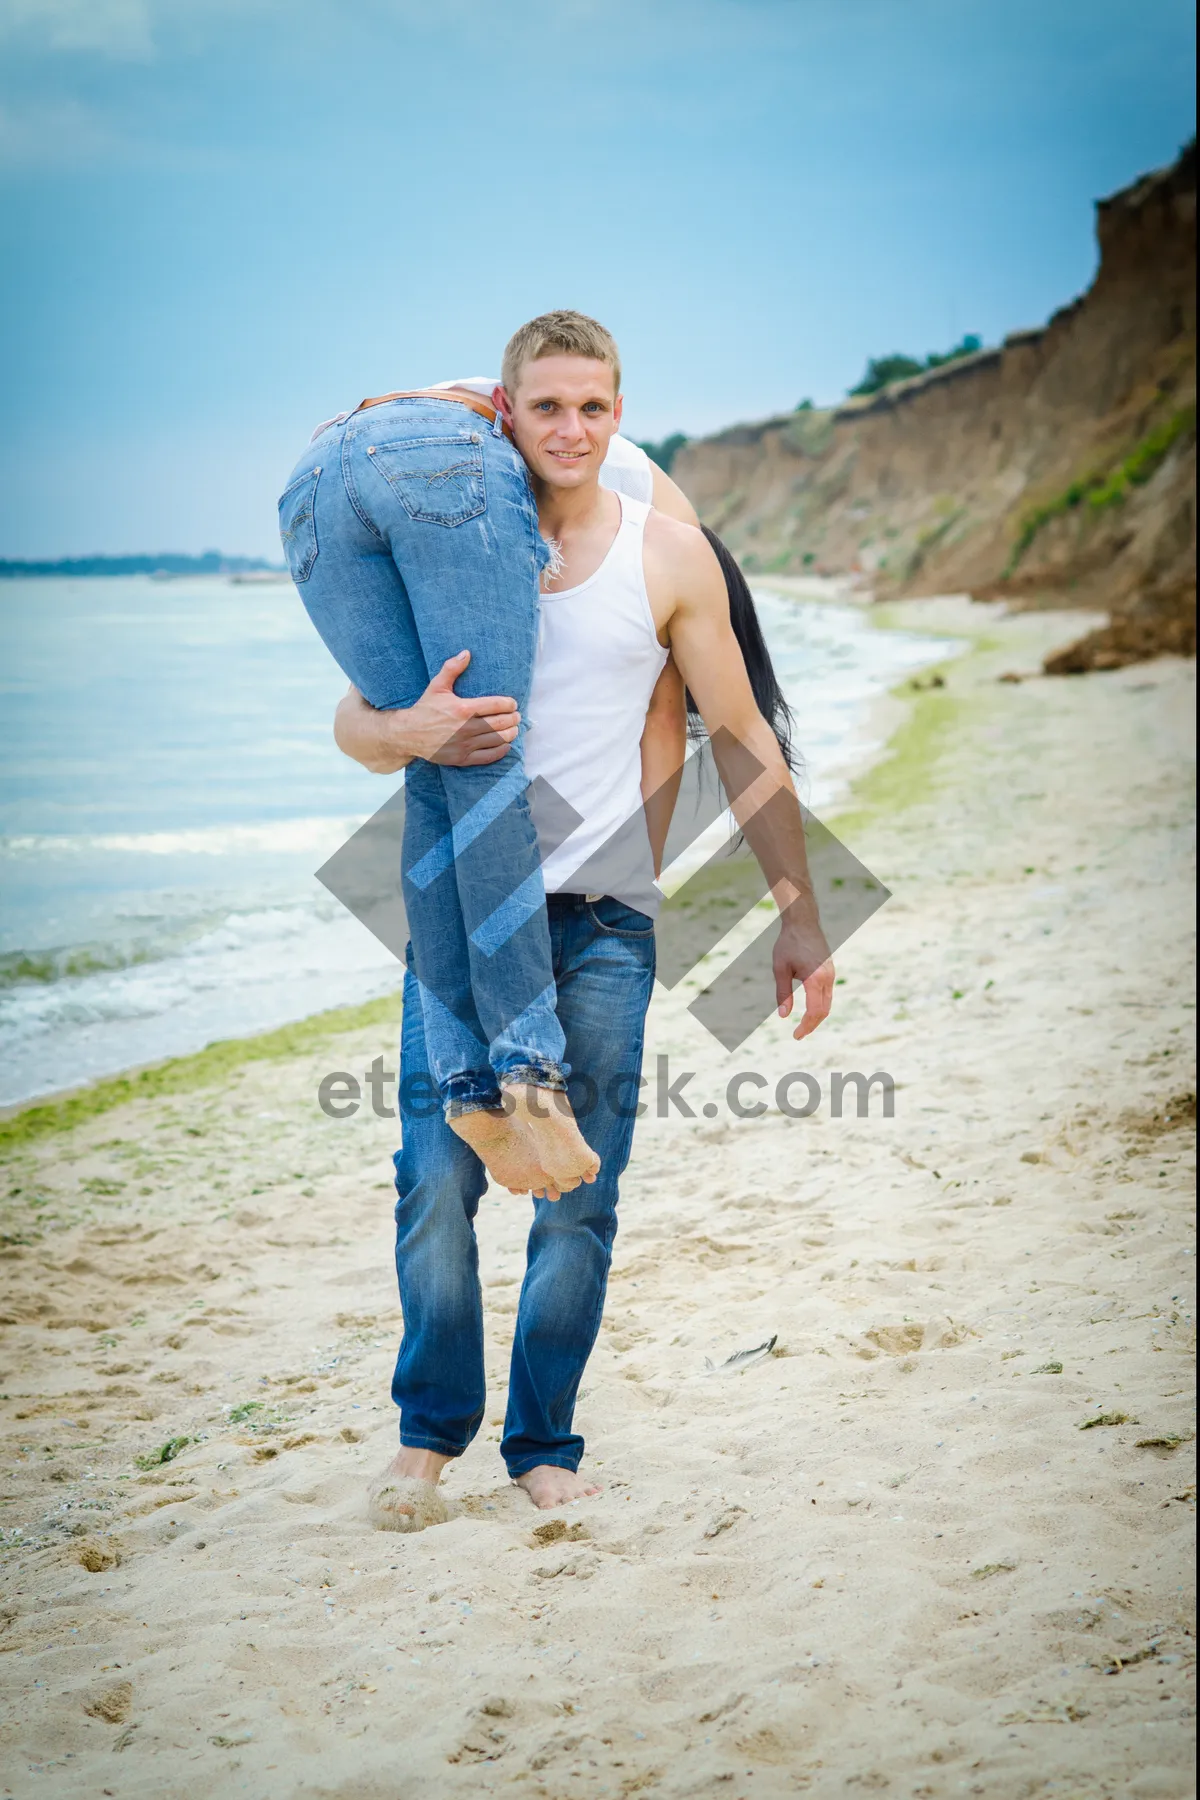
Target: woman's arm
<point x="664" y="748"/>
<point x="670" y="498"/>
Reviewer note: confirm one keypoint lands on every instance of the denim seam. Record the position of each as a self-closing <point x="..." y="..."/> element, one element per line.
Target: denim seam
<point x="539" y="548"/>
<point x="349" y="438"/>
<point x="545" y="1075"/>
<point x="601" y="1297"/>
<point x="470" y="1084"/>
<point x="541" y="1462"/>
<point x="458" y="1109"/>
<point x="470" y="438"/>
<point x="311" y="479"/>
<point x="637" y="937"/>
<point x="558" y="1462"/>
<point x="291" y="487"/>
<point x="439" y="1445"/>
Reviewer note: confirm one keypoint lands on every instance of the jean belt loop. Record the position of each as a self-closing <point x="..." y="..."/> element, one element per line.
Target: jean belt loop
<point x="498" y="425"/>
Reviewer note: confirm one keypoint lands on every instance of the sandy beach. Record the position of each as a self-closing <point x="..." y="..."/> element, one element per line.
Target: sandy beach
<point x="935" y="1542"/>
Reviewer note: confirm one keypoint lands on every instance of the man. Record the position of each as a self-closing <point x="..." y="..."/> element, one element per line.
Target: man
<point x="630" y="586"/>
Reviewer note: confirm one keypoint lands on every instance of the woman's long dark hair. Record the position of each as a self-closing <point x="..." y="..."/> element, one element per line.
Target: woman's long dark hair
<point x="763" y="680"/>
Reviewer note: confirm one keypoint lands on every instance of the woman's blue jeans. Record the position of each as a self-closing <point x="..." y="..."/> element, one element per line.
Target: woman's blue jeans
<point x="411" y="533"/>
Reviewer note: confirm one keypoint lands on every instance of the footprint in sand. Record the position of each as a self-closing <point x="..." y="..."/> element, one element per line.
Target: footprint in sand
<point x="902" y="1340"/>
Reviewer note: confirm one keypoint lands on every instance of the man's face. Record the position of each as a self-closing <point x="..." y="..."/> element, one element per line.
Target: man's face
<point x="563" y="414"/>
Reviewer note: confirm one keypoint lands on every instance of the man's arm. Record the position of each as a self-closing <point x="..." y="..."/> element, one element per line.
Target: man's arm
<point x="664" y="747"/>
<point x="682" y="570"/>
<point x="440" y="728"/>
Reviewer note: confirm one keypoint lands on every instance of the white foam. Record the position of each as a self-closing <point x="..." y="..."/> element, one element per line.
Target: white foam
<point x="278" y="837"/>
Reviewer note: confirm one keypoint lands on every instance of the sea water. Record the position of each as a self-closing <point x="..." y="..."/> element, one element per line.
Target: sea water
<point x="169" y="784"/>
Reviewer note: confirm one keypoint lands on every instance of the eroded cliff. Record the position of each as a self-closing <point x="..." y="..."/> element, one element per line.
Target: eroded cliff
<point x="1057" y="468"/>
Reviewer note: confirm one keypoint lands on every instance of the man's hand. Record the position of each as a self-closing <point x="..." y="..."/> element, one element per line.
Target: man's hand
<point x="440" y="728"/>
<point x="801" y="954"/>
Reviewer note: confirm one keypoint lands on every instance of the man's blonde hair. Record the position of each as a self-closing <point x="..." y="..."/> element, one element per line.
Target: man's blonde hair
<point x="564" y="334"/>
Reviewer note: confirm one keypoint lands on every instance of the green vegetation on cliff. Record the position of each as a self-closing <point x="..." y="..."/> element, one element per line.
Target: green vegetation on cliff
<point x="664" y="452"/>
<point x="1108" y="488"/>
<point x="882" y="371"/>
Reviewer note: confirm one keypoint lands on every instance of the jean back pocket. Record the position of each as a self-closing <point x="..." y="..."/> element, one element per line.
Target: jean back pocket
<point x="438" y="480"/>
<point x="298" y="524"/>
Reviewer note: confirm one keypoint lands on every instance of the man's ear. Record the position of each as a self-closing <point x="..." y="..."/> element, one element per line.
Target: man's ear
<point x="503" y="405"/>
<point x="618" y="409"/>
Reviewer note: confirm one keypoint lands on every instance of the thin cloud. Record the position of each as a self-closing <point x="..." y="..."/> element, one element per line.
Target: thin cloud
<point x="120" y="29"/>
<point x="64" y="134"/>
<point x="55" y="134"/>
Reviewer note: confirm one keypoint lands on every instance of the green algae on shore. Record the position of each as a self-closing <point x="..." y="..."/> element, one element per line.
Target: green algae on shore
<point x="901" y="776"/>
<point x="180" y="1074"/>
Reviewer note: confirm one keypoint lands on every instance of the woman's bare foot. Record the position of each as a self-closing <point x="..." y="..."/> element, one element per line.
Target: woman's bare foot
<point x="502" y="1144"/>
<point x="406" y="1497"/>
<point x="548" y="1486"/>
<point x="565" y="1156"/>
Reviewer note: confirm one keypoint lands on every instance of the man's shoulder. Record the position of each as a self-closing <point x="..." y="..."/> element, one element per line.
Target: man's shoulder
<point x="680" y="565"/>
<point x="674" y="536"/>
<point x="675" y="543"/>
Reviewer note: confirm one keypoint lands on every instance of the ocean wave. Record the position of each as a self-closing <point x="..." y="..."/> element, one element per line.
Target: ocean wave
<point x="274" y="951"/>
<point x="206" y="935"/>
<point x="68" y="961"/>
<point x="275" y="837"/>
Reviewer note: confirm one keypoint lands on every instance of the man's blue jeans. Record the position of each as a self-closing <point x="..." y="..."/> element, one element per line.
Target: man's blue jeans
<point x="411" y="533"/>
<point x="604" y="967"/>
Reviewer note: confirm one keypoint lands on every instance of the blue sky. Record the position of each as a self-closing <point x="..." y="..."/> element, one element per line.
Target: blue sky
<point x="223" y="220"/>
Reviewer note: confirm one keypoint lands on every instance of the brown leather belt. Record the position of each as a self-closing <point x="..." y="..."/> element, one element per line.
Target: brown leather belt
<point x="460" y="396"/>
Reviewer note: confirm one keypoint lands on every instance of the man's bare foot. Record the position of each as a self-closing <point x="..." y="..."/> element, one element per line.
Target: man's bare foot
<point x="548" y="1486"/>
<point x="504" y="1147"/>
<point x="406" y="1497"/>
<point x="565" y="1156"/>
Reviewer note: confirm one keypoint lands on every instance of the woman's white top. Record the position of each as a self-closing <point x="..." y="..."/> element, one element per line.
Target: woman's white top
<point x="598" y="659"/>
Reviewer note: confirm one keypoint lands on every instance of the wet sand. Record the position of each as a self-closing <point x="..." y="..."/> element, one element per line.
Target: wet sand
<point x="936" y="1542"/>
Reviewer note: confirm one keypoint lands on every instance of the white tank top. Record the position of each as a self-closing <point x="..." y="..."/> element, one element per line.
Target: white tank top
<point x="597" y="662"/>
